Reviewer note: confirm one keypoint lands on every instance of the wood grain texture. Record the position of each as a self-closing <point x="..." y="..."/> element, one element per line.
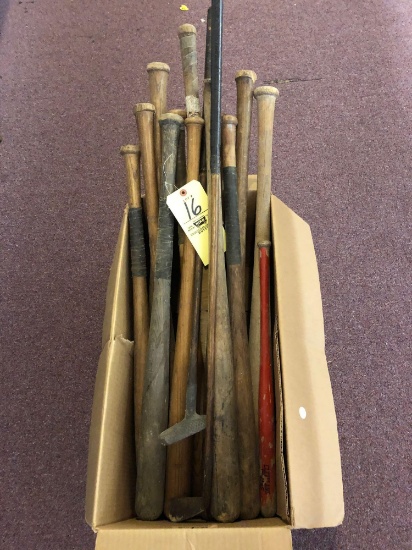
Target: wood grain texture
<point x="151" y="454"/>
<point x="181" y="175"/>
<point x="225" y="493"/>
<point x="131" y="155"/>
<point x="245" y="81"/>
<point x="144" y="114"/>
<point x="247" y="432"/>
<point x="266" y="98"/>
<point x="179" y="455"/>
<point x="158" y="74"/>
<point x="188" y="51"/>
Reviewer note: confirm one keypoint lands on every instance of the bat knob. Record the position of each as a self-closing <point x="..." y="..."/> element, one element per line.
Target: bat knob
<point x="129" y="150"/>
<point x="139" y="107"/>
<point x="186" y="29"/>
<point x="267" y="91"/>
<point x="229" y="119"/>
<point x="246" y="74"/>
<point x="180" y="112"/>
<point x="194" y="120"/>
<point x="264" y="244"/>
<point x="158" y="66"/>
<point x="170" y="117"/>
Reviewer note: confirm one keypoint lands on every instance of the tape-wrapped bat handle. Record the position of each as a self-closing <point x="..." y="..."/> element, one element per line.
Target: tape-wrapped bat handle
<point x="187" y="37"/>
<point x="151" y="454"/>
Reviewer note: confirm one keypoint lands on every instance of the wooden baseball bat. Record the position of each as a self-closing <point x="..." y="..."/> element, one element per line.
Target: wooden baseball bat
<point x="267" y="450"/>
<point x="131" y="155"/>
<point x="266" y="98"/>
<point x="248" y="450"/>
<point x="187" y="38"/>
<point x="245" y="81"/>
<point x="225" y="492"/>
<point x="179" y="455"/>
<point x="144" y="114"/>
<point x="151" y="454"/>
<point x="158" y="77"/>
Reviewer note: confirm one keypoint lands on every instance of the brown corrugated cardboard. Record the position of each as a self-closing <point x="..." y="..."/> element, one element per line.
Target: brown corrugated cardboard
<point x="312" y="447"/>
<point x="111" y="462"/>
<point x="309" y="484"/>
<point x="259" y="534"/>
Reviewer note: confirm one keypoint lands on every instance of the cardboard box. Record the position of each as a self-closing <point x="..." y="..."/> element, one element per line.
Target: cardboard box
<point x="309" y="488"/>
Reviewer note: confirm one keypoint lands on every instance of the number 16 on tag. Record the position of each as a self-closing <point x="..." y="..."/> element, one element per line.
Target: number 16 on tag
<point x="189" y="206"/>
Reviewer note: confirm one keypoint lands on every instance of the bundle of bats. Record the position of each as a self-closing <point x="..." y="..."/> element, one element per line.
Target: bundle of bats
<point x="204" y="410"/>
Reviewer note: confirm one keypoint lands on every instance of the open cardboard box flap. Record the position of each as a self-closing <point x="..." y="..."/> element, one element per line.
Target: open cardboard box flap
<point x="314" y="493"/>
<point x="315" y="490"/>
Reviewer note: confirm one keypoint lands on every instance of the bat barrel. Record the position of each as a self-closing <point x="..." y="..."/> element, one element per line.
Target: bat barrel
<point x="247" y="435"/>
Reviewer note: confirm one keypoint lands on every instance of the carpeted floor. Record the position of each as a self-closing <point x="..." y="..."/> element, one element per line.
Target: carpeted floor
<point x="71" y="72"/>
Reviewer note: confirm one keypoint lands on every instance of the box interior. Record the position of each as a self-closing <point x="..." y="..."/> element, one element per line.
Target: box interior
<point x="309" y="481"/>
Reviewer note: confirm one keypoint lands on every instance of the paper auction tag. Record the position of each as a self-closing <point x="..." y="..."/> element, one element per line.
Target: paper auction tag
<point x="189" y="205"/>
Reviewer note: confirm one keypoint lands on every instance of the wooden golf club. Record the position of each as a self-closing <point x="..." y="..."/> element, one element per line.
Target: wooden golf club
<point x="192" y="422"/>
<point x="179" y="455"/>
<point x="180" y="509"/>
<point x="151" y="454"/>
<point x="131" y="155"/>
<point x="266" y="98"/>
<point x="181" y="174"/>
<point x="184" y="508"/>
<point x="248" y="450"/>
<point x="158" y="77"/>
<point x="267" y="449"/>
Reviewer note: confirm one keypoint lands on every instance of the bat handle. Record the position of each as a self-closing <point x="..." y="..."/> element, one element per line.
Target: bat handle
<point x="245" y="81"/>
<point x="266" y="100"/>
<point x="158" y="78"/>
<point x="131" y="155"/>
<point x="151" y="454"/>
<point x="187" y="38"/>
<point x="267" y="448"/>
<point x="230" y="197"/>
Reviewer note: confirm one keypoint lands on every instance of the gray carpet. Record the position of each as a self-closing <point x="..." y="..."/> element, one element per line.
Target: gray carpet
<point x="70" y="74"/>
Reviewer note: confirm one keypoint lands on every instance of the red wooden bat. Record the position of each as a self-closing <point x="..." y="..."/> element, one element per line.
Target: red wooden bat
<point x="267" y="450"/>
